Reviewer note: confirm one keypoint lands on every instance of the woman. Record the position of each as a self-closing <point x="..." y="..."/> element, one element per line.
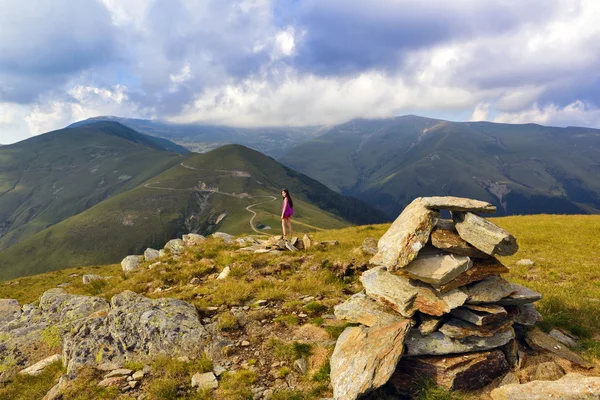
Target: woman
<point x="287" y="210"/>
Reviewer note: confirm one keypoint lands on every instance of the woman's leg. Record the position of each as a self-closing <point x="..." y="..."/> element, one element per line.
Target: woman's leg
<point x="289" y="221"/>
<point x="283" y="226"/>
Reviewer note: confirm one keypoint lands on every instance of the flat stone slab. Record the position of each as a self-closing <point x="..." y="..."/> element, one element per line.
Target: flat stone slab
<point x="439" y="344"/>
<point x="520" y="295"/>
<point x="569" y="387"/>
<point x="489" y="290"/>
<point x="452" y="203"/>
<point x="524" y="314"/>
<point x="480" y="314"/>
<point x="484" y="235"/>
<point x="39" y="366"/>
<point x="480" y="270"/>
<point x="434" y="267"/>
<point x="458" y="329"/>
<point x="408" y="296"/>
<point x="429" y="324"/>
<point x="468" y="372"/>
<point x="563" y="337"/>
<point x="407" y="235"/>
<point x="205" y="381"/>
<point x="538" y="340"/>
<point x="361" y="309"/>
<point x="365" y="358"/>
<point x="445" y="237"/>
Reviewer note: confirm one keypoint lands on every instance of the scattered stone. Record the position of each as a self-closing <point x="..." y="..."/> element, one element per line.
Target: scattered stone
<point x="130" y="263"/>
<point x="151" y="254"/>
<point x="301" y="365"/>
<point x="360" y="309"/>
<point x="290" y="247"/>
<point x="113" y="381"/>
<point x="489" y="290"/>
<point x="193" y="239"/>
<point x="526" y="262"/>
<point x="480" y="314"/>
<point x="245" y="343"/>
<point x="218" y="370"/>
<point x="480" y="270"/>
<point x="329" y="243"/>
<point x="445" y="237"/>
<point x="438" y="344"/>
<point x="89" y="278"/>
<point x="206" y="381"/>
<point x="429" y="324"/>
<point x="434" y="267"/>
<point x="538" y="340"/>
<point x="365" y="358"/>
<point x="369" y="245"/>
<point x="451" y="203"/>
<point x="546" y="371"/>
<point x="38" y="367"/>
<point x="406" y="236"/>
<point x="458" y="329"/>
<point x="224" y="274"/>
<point x="452" y="372"/>
<point x="133" y="384"/>
<point x="195" y="281"/>
<point x="137" y="375"/>
<point x="119" y="372"/>
<point x="520" y="295"/>
<point x="484" y="235"/>
<point x="563" y="337"/>
<point x="307" y="241"/>
<point x="525" y="314"/>
<point x="569" y="387"/>
<point x="175" y="246"/>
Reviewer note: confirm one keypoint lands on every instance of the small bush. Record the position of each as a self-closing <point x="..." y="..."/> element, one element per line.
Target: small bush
<point x="315" y="307"/>
<point x="226" y="321"/>
<point x="288" y="351"/>
<point x="289" y="320"/>
<point x="26" y="387"/>
<point x="322" y="374"/>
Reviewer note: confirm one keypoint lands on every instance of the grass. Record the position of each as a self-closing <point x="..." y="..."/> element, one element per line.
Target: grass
<point x="26" y="387"/>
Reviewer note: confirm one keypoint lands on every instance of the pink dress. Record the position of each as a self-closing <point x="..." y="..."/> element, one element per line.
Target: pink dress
<point x="286" y="209"/>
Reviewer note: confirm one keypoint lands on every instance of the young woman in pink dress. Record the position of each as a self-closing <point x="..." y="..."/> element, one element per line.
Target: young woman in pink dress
<point x="287" y="210"/>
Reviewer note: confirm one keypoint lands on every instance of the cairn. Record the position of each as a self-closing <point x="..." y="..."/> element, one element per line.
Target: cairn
<point x="434" y="305"/>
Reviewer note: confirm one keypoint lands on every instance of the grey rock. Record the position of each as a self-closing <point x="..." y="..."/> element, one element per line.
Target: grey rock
<point x="563" y="337"/>
<point x="525" y="314"/>
<point x="458" y="329"/>
<point x="88" y="278"/>
<point x="452" y="203"/>
<point x="301" y="365"/>
<point x="480" y="314"/>
<point x="434" y="267"/>
<point x="445" y="237"/>
<point x="439" y="344"/>
<point x="307" y="241"/>
<point x="369" y="245"/>
<point x="205" y="381"/>
<point x="227" y="238"/>
<point x="520" y="295"/>
<point x="118" y="372"/>
<point x="175" y="246"/>
<point x="484" y="235"/>
<point x="137" y="375"/>
<point x="489" y="290"/>
<point x="130" y="263"/>
<point x="538" y="340"/>
<point x="290" y="247"/>
<point x="39" y="366"/>
<point x="193" y="239"/>
<point x="151" y="254"/>
<point x="526" y="262"/>
<point x="569" y="387"/>
<point x="407" y="235"/>
<point x="224" y="274"/>
<point x="360" y="309"/>
<point x="365" y="358"/>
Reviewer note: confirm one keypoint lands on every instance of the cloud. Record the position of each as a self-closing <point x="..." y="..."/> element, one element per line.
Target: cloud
<point x="574" y="114"/>
<point x="481" y="112"/>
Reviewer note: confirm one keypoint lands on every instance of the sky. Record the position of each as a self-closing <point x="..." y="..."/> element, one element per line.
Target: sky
<point x="297" y="62"/>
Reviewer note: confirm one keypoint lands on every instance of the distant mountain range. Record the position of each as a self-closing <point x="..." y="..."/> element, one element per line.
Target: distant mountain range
<point x="95" y="193"/>
<point x="523" y="169"/>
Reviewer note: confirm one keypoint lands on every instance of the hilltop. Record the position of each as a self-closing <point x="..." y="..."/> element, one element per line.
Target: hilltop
<point x="522" y="169"/>
<point x="218" y="190"/>
<point x="49" y="178"/>
<point x="281" y="305"/>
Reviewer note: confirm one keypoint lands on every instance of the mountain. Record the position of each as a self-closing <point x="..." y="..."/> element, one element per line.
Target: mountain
<point x="203" y="137"/>
<point x="204" y="193"/>
<point x="48" y="178"/>
<point x="523" y="169"/>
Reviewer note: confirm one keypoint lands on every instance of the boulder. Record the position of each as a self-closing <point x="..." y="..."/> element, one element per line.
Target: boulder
<point x="39" y="367"/>
<point x="193" y="239"/>
<point x="205" y="381"/>
<point x="360" y="309"/>
<point x="365" y="358"/>
<point x="224" y="274"/>
<point x="58" y="307"/>
<point x="151" y="254"/>
<point x="407" y="235"/>
<point x="480" y="270"/>
<point x="445" y="237"/>
<point x="538" y="340"/>
<point x="308" y="241"/>
<point x="226" y="237"/>
<point x="484" y="235"/>
<point x="470" y="371"/>
<point x="130" y="263"/>
<point x="489" y="290"/>
<point x="175" y="246"/>
<point x="458" y="329"/>
<point x="434" y="267"/>
<point x="569" y="387"/>
<point x="439" y="344"/>
<point x="452" y="203"/>
<point x="524" y="314"/>
<point x="480" y="314"/>
<point x="369" y="245"/>
<point x="520" y="295"/>
<point x="89" y="278"/>
<point x="9" y="310"/>
<point x="407" y="296"/>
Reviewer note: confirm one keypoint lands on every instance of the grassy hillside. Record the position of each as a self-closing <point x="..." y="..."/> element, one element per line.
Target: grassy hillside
<point x="564" y="249"/>
<point x="523" y="169"/>
<point x="48" y="178"/>
<point x="207" y="192"/>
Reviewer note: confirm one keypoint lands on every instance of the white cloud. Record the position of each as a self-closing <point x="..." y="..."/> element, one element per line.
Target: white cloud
<point x="481" y="112"/>
<point x="574" y="114"/>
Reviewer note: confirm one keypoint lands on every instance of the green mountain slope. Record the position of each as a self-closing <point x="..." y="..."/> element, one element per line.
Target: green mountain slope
<point x="205" y="193"/>
<point x="523" y="169"/>
<point x="200" y="138"/>
<point x="48" y="178"/>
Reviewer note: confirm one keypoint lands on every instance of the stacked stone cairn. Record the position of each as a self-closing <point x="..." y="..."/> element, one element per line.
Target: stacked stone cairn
<point x="434" y="305"/>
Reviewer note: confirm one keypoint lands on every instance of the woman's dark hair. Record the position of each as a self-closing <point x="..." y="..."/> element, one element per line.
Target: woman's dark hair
<point x="287" y="195"/>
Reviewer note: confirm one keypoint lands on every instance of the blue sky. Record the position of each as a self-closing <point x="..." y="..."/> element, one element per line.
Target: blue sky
<point x="297" y="62"/>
